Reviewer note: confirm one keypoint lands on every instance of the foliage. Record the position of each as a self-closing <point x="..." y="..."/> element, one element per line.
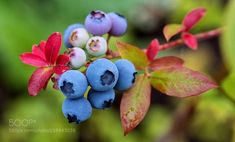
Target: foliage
<point x="32" y="20"/>
<point x="171" y="79"/>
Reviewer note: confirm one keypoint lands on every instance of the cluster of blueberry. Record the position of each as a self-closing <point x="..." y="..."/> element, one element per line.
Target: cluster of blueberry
<point x="102" y="76"/>
<point x="97" y="23"/>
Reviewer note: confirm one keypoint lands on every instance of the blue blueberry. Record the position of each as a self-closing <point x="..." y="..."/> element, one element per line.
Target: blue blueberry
<point x="68" y="32"/>
<point x="127" y="74"/>
<point x="119" y="24"/>
<point x="73" y="84"/>
<point x="101" y="99"/>
<point x="102" y="74"/>
<point x="98" y="23"/>
<point x="76" y="110"/>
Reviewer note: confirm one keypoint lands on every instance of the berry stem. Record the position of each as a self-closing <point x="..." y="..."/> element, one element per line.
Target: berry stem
<point x="108" y="43"/>
<point x="199" y="36"/>
<point x="108" y="39"/>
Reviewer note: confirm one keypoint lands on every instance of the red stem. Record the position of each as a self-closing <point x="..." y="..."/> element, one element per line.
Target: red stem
<point x="204" y="35"/>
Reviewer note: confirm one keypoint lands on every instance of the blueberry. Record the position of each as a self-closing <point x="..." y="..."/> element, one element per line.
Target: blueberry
<point x="73" y="84"/>
<point x="68" y="32"/>
<point x="127" y="74"/>
<point x="96" y="46"/>
<point x="78" y="37"/>
<point x="119" y="24"/>
<point x="101" y="99"/>
<point x="98" y="23"/>
<point x="102" y="74"/>
<point x="77" y="57"/>
<point x="76" y="110"/>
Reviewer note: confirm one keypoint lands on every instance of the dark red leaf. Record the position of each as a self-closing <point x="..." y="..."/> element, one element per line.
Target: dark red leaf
<point x="190" y="40"/>
<point x="42" y="45"/>
<point x="59" y="69"/>
<point x="39" y="49"/>
<point x="165" y="62"/>
<point x="53" y="47"/>
<point x="193" y="17"/>
<point x="61" y="64"/>
<point x="152" y="49"/>
<point x="62" y="59"/>
<point x="38" y="80"/>
<point x="33" y="60"/>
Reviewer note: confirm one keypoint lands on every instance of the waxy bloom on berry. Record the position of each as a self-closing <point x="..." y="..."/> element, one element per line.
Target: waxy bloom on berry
<point x="119" y="24"/>
<point x="73" y="84"/>
<point x="101" y="99"/>
<point x="98" y="23"/>
<point x="76" y="110"/>
<point x="46" y="57"/>
<point x="102" y="74"/>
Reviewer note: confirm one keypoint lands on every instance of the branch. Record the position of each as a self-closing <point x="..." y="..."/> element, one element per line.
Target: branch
<point x="199" y="36"/>
<point x="205" y="35"/>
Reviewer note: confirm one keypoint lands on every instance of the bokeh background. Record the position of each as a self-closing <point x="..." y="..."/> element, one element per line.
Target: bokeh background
<point x="209" y="117"/>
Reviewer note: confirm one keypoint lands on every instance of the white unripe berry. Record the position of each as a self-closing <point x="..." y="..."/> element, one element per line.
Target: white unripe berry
<point x="77" y="57"/>
<point x="79" y="37"/>
<point x="96" y="46"/>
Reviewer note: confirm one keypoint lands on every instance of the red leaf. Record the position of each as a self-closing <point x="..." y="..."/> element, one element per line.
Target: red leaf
<point x="179" y="81"/>
<point x="171" y="30"/>
<point x="38" y="80"/>
<point x="190" y="40"/>
<point x="152" y="49"/>
<point x="42" y="45"/>
<point x="135" y="103"/>
<point x="193" y="17"/>
<point x="165" y="62"/>
<point x="62" y="59"/>
<point x="61" y="64"/>
<point x="53" y="47"/>
<point x="39" y="49"/>
<point x="33" y="60"/>
<point x="59" y="69"/>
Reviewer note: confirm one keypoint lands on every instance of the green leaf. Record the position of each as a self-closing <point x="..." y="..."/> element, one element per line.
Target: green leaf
<point x="171" y="30"/>
<point x="135" y="103"/>
<point x="165" y="62"/>
<point x="133" y="54"/>
<point x="179" y="81"/>
<point x="228" y="86"/>
<point x="228" y="37"/>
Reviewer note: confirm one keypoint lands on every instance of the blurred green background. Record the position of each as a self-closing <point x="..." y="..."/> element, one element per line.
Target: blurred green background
<point x="206" y="118"/>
